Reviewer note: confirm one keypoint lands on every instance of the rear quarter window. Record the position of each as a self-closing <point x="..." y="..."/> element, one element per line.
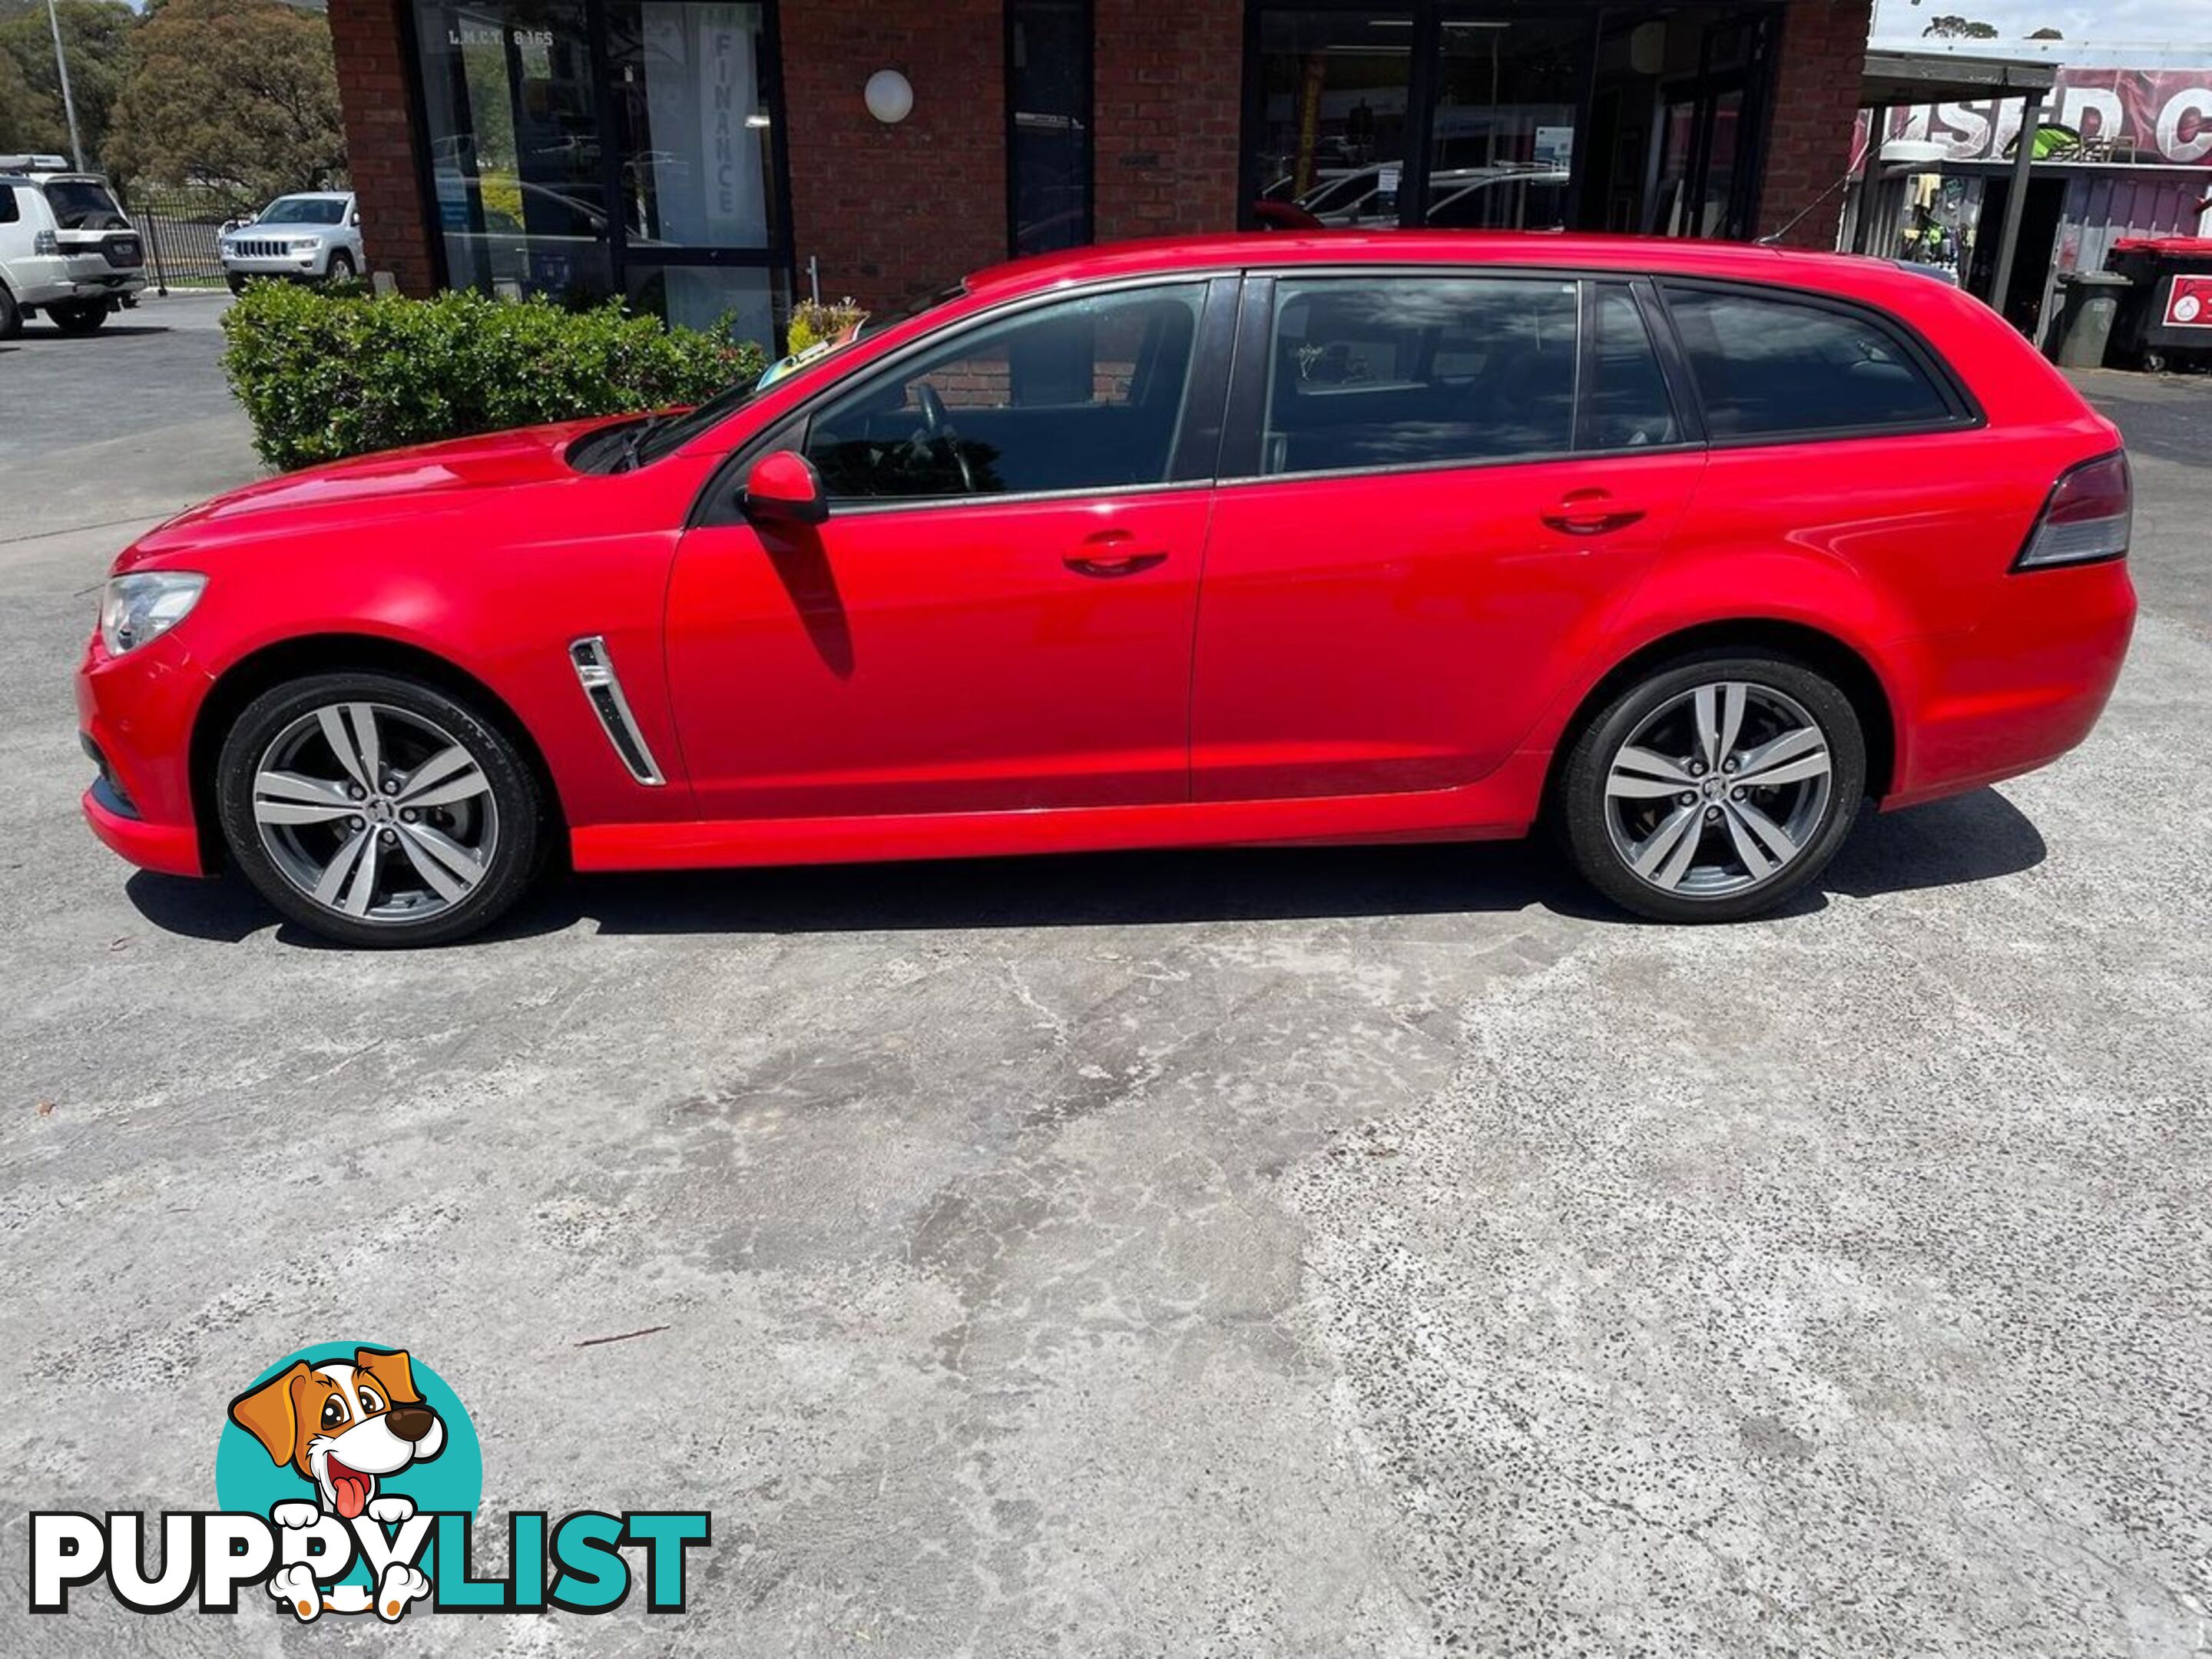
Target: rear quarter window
<point x="1771" y="366"/>
<point x="10" y="213"/>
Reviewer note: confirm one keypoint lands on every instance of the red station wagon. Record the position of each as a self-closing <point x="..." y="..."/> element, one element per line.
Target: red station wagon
<point x="1683" y="549"/>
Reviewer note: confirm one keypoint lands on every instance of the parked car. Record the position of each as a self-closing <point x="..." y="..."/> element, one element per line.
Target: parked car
<point x="313" y="236"/>
<point x="1684" y="550"/>
<point x="66" y="248"/>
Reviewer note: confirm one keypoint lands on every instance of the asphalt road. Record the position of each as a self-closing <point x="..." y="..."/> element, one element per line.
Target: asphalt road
<point x="1370" y="1252"/>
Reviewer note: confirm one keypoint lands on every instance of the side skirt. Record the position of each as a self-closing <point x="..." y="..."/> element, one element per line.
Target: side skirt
<point x="1499" y="808"/>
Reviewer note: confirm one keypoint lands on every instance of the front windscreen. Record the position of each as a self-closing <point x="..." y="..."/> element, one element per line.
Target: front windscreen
<point x="302" y="210"/>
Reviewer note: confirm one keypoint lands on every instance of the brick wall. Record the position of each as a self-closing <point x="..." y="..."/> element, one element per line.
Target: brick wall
<point x="1816" y="98"/>
<point x="1167" y="101"/>
<point x="365" y="39"/>
<point x="894" y="213"/>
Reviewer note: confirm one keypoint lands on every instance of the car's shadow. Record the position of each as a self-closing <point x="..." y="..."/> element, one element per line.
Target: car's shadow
<point x="1974" y="837"/>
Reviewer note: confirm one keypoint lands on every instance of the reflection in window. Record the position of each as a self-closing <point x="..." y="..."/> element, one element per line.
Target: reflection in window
<point x="1766" y="366"/>
<point x="1083" y="394"/>
<point x="1048" y="92"/>
<point x="1331" y="135"/>
<point x="515" y="146"/>
<point x="1407" y="371"/>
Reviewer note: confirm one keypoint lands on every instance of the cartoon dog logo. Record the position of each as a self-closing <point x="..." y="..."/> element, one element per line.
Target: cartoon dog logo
<point x="344" y="1425"/>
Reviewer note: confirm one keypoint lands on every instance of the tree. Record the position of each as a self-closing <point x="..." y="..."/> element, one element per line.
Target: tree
<point x="2046" y="35"/>
<point x="237" y="96"/>
<point x="1959" y="28"/>
<point x="96" y="34"/>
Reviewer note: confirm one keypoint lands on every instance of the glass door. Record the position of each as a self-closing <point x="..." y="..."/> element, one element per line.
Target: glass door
<point x="1326" y="127"/>
<point x="699" y="235"/>
<point x="1511" y="97"/>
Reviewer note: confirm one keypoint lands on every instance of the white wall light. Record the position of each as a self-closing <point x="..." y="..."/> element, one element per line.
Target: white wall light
<point x="890" y="98"/>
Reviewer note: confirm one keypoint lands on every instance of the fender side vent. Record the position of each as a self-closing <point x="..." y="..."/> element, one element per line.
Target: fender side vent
<point x="595" y="670"/>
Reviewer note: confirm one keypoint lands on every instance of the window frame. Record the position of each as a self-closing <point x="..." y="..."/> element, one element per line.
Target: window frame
<point x="1964" y="413"/>
<point x="1192" y="465"/>
<point x="1090" y="130"/>
<point x="1244" y="433"/>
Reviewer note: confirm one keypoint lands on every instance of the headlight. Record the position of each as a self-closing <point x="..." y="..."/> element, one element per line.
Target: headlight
<point x="144" y="605"/>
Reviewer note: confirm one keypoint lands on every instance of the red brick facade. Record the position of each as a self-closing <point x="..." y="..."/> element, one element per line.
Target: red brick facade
<point x="380" y="139"/>
<point x="1816" y="99"/>
<point x="1166" y="111"/>
<point x="893" y="212"/>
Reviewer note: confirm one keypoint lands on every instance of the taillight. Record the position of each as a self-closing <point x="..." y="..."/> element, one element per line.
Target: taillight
<point x="45" y="242"/>
<point x="2086" y="518"/>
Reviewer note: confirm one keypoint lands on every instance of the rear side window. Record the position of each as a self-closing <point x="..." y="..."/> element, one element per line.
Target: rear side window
<point x="1766" y="366"/>
<point x="10" y="213"/>
<point x="1403" y="371"/>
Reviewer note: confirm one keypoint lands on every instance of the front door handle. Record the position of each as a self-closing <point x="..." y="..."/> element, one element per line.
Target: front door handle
<point x="1591" y="513"/>
<point x="1113" y="564"/>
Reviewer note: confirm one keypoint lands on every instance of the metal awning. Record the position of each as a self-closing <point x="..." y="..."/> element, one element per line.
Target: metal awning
<point x="1894" y="75"/>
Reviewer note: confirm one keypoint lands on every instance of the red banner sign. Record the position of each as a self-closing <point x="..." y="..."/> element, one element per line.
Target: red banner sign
<point x="2158" y="116"/>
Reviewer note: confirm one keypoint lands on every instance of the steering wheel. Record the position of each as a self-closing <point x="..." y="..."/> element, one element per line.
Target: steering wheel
<point x="937" y="430"/>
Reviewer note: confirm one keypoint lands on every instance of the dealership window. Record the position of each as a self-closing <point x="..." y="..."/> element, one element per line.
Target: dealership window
<point x="1077" y="394"/>
<point x="1480" y="115"/>
<point x="581" y="149"/>
<point x="1048" y="125"/>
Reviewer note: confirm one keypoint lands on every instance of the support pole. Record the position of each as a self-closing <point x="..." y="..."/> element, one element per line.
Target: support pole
<point x="2015" y="199"/>
<point x="69" y="103"/>
<point x="1877" y="123"/>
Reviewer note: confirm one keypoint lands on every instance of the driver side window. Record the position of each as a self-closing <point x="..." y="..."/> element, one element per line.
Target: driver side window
<point x="1076" y="394"/>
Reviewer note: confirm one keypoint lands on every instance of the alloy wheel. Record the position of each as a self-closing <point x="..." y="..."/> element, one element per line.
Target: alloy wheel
<point x="1719" y="790"/>
<point x="375" y="812"/>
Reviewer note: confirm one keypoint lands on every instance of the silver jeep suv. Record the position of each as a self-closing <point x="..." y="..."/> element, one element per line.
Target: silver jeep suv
<point x="65" y="247"/>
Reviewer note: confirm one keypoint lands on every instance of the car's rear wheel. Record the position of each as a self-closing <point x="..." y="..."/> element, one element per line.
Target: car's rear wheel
<point x="78" y="316"/>
<point x="11" y="314"/>
<point x="340" y="269"/>
<point x="1715" y="787"/>
<point x="377" y="808"/>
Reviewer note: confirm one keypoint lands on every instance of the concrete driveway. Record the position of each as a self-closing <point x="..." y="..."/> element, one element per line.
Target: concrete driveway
<point x="1372" y="1252"/>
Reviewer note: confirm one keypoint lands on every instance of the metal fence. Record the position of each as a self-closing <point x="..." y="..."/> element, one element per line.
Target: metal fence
<point x="182" y="228"/>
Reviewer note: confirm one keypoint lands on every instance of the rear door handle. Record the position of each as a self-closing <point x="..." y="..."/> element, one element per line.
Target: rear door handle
<point x="1591" y="513"/>
<point x="1113" y="553"/>
<point x="1113" y="564"/>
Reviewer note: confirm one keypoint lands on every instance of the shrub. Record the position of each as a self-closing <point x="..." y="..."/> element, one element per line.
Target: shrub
<point x="816" y="320"/>
<point x="326" y="375"/>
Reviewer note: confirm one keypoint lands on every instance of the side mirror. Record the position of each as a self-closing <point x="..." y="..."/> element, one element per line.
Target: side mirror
<point x="784" y="486"/>
<point x="354" y="218"/>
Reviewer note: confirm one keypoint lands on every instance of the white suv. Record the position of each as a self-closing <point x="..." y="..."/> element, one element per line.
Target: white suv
<point x="314" y="234"/>
<point x="65" y="247"/>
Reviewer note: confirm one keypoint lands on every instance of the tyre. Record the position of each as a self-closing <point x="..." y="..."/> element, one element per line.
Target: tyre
<point x="378" y="810"/>
<point x="11" y="315"/>
<point x="78" y="316"/>
<point x="236" y="283"/>
<point x="1714" y="788"/>
<point x="340" y="269"/>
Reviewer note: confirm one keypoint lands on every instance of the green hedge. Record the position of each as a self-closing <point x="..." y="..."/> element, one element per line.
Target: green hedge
<point x="326" y="375"/>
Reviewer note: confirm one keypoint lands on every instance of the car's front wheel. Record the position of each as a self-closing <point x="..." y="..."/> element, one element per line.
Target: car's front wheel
<point x="377" y="808"/>
<point x="78" y="316"/>
<point x="340" y="269"/>
<point x="1715" y="787"/>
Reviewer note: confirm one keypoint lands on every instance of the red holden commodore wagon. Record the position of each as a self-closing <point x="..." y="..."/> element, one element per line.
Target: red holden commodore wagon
<point x="1681" y="549"/>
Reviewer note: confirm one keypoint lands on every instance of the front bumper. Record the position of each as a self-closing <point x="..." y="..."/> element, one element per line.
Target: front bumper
<point x="290" y="265"/>
<point x="136" y="713"/>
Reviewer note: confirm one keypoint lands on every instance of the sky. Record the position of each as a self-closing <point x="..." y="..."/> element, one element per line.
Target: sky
<point x="2181" y="21"/>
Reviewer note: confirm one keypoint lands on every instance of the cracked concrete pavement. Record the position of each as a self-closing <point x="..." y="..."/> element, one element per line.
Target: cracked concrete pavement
<point x="1372" y="1252"/>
